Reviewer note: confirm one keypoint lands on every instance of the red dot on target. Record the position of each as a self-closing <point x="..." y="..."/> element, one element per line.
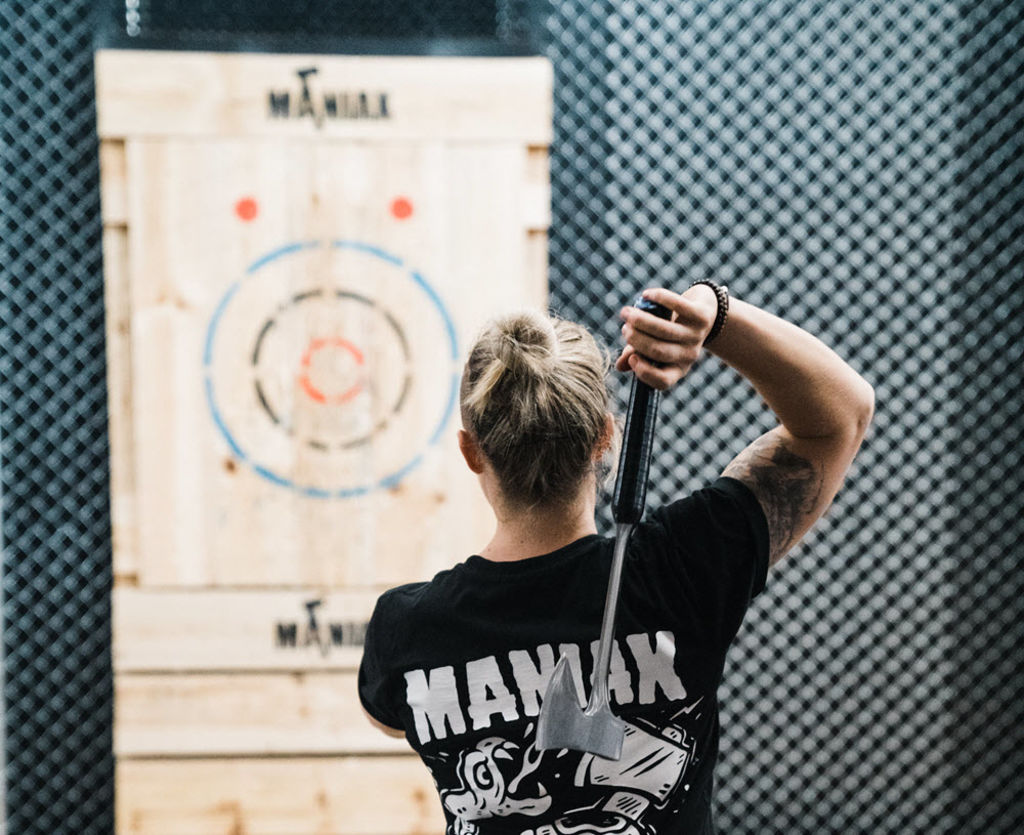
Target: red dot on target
<point x="247" y="208"/>
<point x="401" y="208"/>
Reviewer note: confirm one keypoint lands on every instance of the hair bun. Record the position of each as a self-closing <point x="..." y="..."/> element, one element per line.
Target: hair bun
<point x="528" y="343"/>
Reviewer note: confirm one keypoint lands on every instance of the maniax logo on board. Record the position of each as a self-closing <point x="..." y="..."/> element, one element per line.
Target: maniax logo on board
<point x="322" y="635"/>
<point x="322" y="106"/>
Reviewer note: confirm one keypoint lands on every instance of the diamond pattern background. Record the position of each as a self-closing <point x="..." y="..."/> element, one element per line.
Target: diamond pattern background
<point x="856" y="167"/>
<point x="56" y="524"/>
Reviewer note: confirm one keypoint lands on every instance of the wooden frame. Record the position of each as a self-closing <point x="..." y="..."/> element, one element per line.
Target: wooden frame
<point x="374" y="211"/>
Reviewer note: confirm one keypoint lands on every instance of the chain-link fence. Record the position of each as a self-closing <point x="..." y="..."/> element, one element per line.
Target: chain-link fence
<point x="857" y="167"/>
<point x="56" y="523"/>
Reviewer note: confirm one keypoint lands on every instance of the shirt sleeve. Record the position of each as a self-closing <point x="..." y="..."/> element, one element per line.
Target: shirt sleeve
<point x="708" y="556"/>
<point x="374" y="678"/>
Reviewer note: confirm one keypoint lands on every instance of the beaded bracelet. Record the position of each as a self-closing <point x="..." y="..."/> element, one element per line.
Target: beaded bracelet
<point x="722" y="294"/>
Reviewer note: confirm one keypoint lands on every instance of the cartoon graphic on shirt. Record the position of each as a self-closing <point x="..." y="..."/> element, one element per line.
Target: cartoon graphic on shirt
<point x="486" y="793"/>
<point x="498" y="779"/>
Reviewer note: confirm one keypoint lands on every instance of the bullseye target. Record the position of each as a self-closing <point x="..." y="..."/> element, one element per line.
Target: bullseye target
<point x="330" y="368"/>
<point x="357" y="400"/>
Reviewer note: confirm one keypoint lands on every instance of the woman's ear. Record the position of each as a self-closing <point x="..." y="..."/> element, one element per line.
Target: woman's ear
<point x="470" y="450"/>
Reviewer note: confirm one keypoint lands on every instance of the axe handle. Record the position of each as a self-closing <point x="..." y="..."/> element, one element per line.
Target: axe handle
<point x="630" y="496"/>
<point x="627" y="504"/>
<point x="599" y="691"/>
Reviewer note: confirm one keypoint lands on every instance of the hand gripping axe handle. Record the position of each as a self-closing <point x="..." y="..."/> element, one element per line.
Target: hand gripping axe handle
<point x="562" y="722"/>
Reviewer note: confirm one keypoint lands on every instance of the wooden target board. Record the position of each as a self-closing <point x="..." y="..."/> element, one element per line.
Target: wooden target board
<point x="298" y="252"/>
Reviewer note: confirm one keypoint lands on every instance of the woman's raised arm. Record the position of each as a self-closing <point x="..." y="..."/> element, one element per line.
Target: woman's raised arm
<point x="823" y="405"/>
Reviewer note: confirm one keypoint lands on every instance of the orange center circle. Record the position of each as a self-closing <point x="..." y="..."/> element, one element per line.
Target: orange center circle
<point x="315" y="393"/>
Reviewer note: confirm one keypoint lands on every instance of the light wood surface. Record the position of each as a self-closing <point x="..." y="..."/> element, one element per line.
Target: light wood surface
<point x="123" y="490"/>
<point x="113" y="183"/>
<point x="207" y="95"/>
<point x="244" y="714"/>
<point x="303" y="796"/>
<point x="204" y="630"/>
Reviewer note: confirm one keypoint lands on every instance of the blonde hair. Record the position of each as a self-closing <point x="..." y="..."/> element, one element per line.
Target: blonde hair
<point x="534" y="397"/>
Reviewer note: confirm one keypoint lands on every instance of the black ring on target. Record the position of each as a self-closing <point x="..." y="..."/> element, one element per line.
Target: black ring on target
<point x="389" y="480"/>
<point x="394" y="409"/>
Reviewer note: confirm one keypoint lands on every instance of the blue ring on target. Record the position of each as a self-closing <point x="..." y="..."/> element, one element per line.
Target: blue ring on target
<point x="387" y="481"/>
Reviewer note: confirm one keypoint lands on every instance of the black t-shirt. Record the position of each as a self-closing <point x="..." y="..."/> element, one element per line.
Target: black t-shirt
<point x="461" y="664"/>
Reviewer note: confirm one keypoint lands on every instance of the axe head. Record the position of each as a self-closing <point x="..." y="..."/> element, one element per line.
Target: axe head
<point x="564" y="724"/>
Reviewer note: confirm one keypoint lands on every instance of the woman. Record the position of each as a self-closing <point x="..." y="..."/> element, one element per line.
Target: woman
<point x="459" y="665"/>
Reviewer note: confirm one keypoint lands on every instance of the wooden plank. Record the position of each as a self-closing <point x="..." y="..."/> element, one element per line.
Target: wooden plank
<point x="537" y="190"/>
<point x="165" y="356"/>
<point x="323" y="796"/>
<point x="536" y="267"/>
<point x="119" y="398"/>
<point x="197" y="629"/>
<point x="146" y="93"/>
<point x="218" y="714"/>
<point x="113" y="182"/>
<point x="490" y="274"/>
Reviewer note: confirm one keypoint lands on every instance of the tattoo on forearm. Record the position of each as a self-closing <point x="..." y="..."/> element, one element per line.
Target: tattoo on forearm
<point x="787" y="486"/>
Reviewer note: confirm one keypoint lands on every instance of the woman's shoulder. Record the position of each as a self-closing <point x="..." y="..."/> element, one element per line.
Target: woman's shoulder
<point x="402" y="596"/>
<point x="724" y="513"/>
<point x="411" y="595"/>
<point x="724" y="498"/>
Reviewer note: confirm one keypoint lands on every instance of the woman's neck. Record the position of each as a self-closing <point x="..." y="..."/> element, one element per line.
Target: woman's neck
<point x="541" y="530"/>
